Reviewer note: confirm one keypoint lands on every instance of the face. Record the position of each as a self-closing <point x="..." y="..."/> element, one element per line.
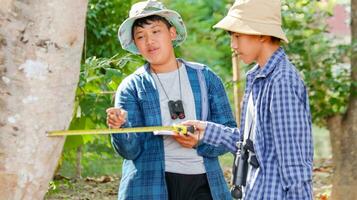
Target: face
<point x="154" y="42"/>
<point x="248" y="47"/>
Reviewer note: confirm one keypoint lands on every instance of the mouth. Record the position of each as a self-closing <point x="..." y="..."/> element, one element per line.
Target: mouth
<point x="237" y="52"/>
<point x="153" y="50"/>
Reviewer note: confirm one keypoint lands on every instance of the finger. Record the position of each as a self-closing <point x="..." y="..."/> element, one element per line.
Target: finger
<point x="190" y="122"/>
<point x="111" y="109"/>
<point x="181" y="135"/>
<point x="115" y="118"/>
<point x="192" y="135"/>
<point x="111" y="120"/>
<point x="115" y="123"/>
<point x="178" y="137"/>
<point x="112" y="115"/>
<point x="122" y="119"/>
<point x="177" y="133"/>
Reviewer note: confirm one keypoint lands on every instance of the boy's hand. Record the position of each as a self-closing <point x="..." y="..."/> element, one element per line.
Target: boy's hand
<point x="200" y="127"/>
<point x="188" y="141"/>
<point x="191" y="140"/>
<point x="116" y="117"/>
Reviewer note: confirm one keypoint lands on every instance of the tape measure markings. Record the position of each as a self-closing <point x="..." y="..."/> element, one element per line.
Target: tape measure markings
<point x="178" y="128"/>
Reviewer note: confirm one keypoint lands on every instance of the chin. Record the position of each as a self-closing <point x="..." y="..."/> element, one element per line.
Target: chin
<point x="152" y="59"/>
<point x="248" y="62"/>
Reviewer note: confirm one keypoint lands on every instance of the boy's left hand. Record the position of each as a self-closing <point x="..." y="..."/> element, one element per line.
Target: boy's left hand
<point x="189" y="140"/>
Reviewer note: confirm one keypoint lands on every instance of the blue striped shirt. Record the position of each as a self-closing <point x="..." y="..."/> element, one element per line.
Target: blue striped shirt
<point x="283" y="141"/>
<point x="143" y="171"/>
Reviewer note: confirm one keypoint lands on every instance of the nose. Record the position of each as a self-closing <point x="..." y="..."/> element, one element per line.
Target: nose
<point x="149" y="39"/>
<point x="234" y="43"/>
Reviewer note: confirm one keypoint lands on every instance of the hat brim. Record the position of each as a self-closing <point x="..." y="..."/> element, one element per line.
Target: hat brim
<point x="234" y="24"/>
<point x="125" y="29"/>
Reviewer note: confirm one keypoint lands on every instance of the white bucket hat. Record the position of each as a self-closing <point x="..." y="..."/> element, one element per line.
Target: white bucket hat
<point x="144" y="9"/>
<point x="254" y="17"/>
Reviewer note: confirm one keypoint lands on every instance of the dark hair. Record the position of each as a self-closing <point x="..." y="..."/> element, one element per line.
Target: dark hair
<point x="148" y="20"/>
<point x="275" y="40"/>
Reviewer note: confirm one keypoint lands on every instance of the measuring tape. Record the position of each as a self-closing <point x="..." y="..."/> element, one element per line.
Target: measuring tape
<point x="177" y="128"/>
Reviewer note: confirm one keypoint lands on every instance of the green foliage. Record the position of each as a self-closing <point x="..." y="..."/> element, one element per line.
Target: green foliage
<point x="99" y="78"/>
<point x="204" y="44"/>
<point x="103" y="20"/>
<point x="103" y="67"/>
<point x="313" y="52"/>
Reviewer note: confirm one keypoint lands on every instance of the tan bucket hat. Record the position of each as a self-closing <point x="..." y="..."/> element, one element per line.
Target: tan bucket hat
<point x="144" y="9"/>
<point x="254" y="17"/>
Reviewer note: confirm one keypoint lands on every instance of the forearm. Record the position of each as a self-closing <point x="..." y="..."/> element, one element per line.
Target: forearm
<point x="221" y="136"/>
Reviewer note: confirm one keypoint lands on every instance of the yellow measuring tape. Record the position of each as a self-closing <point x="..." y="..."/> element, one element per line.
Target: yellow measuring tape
<point x="177" y="128"/>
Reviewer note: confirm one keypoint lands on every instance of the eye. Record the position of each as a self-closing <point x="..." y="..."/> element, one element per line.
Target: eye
<point x="139" y="37"/>
<point x="156" y="31"/>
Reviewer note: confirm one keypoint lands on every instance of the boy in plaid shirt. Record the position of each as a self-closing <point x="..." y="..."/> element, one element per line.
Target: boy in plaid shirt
<point x="275" y="115"/>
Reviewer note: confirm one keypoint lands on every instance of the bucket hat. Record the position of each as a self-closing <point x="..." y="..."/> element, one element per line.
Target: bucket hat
<point x="144" y="9"/>
<point x="254" y="17"/>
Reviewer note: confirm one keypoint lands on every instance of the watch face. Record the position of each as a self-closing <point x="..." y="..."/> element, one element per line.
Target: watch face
<point x="176" y="109"/>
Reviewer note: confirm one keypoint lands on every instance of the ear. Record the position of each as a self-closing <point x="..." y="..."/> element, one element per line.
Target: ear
<point x="264" y="38"/>
<point x="173" y="33"/>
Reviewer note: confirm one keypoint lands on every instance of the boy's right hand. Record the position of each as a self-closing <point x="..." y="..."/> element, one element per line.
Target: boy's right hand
<point x="116" y="117"/>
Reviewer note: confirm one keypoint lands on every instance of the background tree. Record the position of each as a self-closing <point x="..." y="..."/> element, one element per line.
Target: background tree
<point x="40" y="51"/>
<point x="104" y="64"/>
<point x="343" y="129"/>
<point x="331" y="85"/>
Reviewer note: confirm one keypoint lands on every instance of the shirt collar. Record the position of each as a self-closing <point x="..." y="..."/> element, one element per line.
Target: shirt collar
<point x="258" y="72"/>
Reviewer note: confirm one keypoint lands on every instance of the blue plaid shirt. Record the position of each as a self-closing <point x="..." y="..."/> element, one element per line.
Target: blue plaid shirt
<point x="283" y="141"/>
<point x="143" y="172"/>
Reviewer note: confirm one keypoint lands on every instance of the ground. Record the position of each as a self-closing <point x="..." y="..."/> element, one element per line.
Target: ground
<point x="106" y="187"/>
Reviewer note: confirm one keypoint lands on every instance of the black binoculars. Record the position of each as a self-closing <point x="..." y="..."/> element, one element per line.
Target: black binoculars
<point x="244" y="156"/>
<point x="176" y="109"/>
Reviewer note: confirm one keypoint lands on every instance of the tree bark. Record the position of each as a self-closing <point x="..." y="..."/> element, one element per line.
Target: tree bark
<point x="343" y="131"/>
<point x="40" y="50"/>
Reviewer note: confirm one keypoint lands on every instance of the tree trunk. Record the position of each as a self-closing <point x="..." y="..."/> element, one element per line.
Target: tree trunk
<point x="343" y="131"/>
<point x="40" y="50"/>
<point x="344" y="141"/>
